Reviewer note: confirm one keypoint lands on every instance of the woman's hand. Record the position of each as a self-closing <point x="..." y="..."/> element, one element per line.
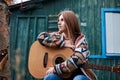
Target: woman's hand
<point x="68" y="44"/>
<point x="50" y="70"/>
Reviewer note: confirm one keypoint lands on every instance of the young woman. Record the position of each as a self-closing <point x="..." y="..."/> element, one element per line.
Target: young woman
<point x="69" y="35"/>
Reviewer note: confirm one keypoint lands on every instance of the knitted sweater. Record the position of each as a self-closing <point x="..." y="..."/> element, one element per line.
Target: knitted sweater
<point x="74" y="62"/>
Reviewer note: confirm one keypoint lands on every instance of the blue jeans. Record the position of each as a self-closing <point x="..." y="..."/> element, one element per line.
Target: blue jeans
<point x="56" y="77"/>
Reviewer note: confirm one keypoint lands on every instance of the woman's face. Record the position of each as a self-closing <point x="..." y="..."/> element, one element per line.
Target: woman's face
<point x="61" y="24"/>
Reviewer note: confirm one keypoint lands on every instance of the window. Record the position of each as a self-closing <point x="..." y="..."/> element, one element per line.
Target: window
<point x="110" y="31"/>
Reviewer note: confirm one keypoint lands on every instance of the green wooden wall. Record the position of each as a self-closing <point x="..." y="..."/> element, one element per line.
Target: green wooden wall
<point x="25" y="26"/>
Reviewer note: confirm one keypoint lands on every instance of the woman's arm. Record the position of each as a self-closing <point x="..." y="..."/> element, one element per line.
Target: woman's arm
<point x="79" y="57"/>
<point x="51" y="39"/>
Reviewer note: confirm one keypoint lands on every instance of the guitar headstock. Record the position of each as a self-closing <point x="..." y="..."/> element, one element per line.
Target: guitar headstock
<point x="116" y="69"/>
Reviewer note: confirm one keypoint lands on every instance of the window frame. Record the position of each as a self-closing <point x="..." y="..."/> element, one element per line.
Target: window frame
<point x="103" y="29"/>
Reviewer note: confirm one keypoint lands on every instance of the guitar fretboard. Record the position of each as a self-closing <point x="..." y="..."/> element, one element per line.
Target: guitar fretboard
<point x="99" y="67"/>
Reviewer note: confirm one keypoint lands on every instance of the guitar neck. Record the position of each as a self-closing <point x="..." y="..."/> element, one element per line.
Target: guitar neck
<point x="98" y="67"/>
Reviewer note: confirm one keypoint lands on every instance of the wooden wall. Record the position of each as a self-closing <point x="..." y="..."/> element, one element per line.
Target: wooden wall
<point x="25" y="26"/>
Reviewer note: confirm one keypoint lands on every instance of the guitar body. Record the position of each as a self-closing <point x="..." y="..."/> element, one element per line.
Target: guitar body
<point x="41" y="58"/>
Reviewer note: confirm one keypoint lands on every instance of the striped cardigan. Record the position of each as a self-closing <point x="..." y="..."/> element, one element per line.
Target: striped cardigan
<point x="79" y="57"/>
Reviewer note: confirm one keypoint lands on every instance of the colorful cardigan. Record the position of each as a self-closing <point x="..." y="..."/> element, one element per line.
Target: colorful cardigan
<point x="79" y="56"/>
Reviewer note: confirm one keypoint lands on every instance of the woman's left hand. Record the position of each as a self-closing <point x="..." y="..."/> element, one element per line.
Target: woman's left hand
<point x="50" y="70"/>
<point x="69" y="45"/>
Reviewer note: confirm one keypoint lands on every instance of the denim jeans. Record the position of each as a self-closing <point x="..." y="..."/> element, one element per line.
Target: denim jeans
<point x="56" y="77"/>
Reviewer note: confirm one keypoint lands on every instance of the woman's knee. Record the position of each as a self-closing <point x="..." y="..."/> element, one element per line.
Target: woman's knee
<point x="80" y="77"/>
<point x="52" y="77"/>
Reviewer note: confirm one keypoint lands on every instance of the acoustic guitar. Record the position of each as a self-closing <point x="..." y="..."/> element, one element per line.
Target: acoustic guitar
<point x="41" y="58"/>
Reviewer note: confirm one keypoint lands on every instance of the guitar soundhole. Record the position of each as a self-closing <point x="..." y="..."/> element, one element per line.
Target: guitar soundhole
<point x="59" y="60"/>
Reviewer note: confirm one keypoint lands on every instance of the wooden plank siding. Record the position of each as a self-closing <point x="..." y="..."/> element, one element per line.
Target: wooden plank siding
<point x="25" y="26"/>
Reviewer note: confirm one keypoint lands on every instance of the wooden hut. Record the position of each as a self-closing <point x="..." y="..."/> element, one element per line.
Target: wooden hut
<point x="30" y="18"/>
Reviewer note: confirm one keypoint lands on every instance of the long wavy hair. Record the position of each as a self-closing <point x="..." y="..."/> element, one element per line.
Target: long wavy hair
<point x="73" y="27"/>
